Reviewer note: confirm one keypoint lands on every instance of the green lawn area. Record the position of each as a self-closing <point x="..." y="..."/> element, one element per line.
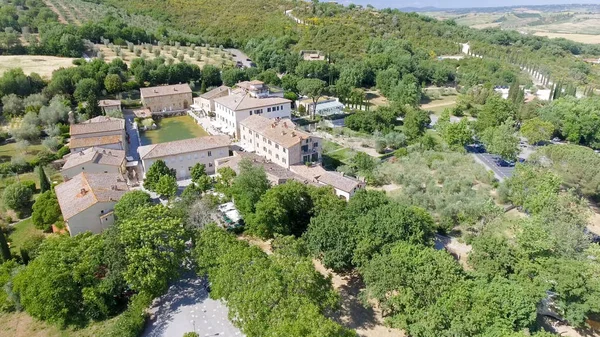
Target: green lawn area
<point x="7" y="151"/>
<point x="335" y="155"/>
<point x="20" y="233"/>
<point x="20" y="324"/>
<point x="171" y="129"/>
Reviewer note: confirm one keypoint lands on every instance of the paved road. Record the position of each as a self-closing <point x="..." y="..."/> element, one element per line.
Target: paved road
<point x="239" y="56"/>
<point x="501" y="172"/>
<point x="134" y="141"/>
<point x="186" y="307"/>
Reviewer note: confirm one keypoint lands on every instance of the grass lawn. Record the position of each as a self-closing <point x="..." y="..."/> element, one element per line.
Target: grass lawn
<point x="20" y="324"/>
<point x="20" y="233"/>
<point x="335" y="155"/>
<point x="7" y="151"/>
<point x="43" y="65"/>
<point x="171" y="129"/>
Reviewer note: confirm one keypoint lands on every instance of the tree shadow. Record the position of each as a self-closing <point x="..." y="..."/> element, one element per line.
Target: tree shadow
<point x="353" y="313"/>
<point x="185" y="292"/>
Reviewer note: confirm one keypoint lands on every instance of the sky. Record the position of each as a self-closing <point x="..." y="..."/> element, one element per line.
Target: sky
<point x="460" y="3"/>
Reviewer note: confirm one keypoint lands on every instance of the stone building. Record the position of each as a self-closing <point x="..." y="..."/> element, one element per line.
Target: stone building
<point x="167" y="98"/>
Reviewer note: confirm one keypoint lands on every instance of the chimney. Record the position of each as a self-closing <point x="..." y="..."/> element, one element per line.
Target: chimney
<point x="155" y="91"/>
<point x="285" y="125"/>
<point x="113" y="187"/>
<point x="83" y="191"/>
<point x="293" y="134"/>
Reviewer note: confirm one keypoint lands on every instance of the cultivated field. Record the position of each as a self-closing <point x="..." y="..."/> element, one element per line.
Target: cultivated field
<point x="43" y="65"/>
<point x="583" y="38"/>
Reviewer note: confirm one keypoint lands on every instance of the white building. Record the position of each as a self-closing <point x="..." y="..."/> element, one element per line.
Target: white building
<point x="182" y="155"/>
<point x="326" y="106"/>
<point x="94" y="160"/>
<point x="205" y="103"/>
<point x="250" y="98"/>
<point x="278" y="141"/>
<point x="87" y="201"/>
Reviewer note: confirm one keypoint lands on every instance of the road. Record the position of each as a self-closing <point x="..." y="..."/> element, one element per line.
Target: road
<point x="501" y="172"/>
<point x="240" y="56"/>
<point x="186" y="307"/>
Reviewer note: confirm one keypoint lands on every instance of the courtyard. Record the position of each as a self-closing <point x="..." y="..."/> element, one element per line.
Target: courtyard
<point x="171" y="129"/>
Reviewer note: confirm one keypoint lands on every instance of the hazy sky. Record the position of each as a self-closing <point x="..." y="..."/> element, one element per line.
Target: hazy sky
<point x="460" y="3"/>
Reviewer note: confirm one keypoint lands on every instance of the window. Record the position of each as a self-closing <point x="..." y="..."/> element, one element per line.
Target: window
<point x="283" y="160"/>
<point x="277" y="156"/>
<point x="270" y="143"/>
<point x="264" y="149"/>
<point x="105" y="171"/>
<point x="270" y="152"/>
<point x="277" y="146"/>
<point x="210" y="165"/>
<point x="209" y="153"/>
<point x="268" y="109"/>
<point x="316" y="145"/>
<point x="284" y="150"/>
<point x="250" y="113"/>
<point x="264" y="139"/>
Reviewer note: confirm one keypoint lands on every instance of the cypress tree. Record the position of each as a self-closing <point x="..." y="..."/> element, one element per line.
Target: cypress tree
<point x="4" y="247"/>
<point x="25" y="256"/>
<point x="203" y="87"/>
<point x="44" y="182"/>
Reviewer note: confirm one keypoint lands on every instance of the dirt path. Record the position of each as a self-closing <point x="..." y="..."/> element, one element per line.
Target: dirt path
<point x="61" y="18"/>
<point x="367" y="321"/>
<point x="436" y="105"/>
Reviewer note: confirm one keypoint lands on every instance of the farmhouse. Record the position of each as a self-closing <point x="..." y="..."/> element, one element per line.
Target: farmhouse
<point x="101" y="131"/>
<point x="279" y="141"/>
<point x="94" y="160"/>
<point x="182" y="155"/>
<point x="344" y="186"/>
<point x="250" y="98"/>
<point x="109" y="105"/>
<point x="87" y="201"/>
<point x="167" y="98"/>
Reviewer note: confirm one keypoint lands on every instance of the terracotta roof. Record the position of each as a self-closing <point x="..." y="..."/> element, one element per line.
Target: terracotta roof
<point x="95" y="155"/>
<point x="98" y="124"/>
<point x="215" y="92"/>
<point x="165" y="90"/>
<point x="273" y="170"/>
<point x="245" y="101"/>
<point x="77" y="143"/>
<point x="183" y="146"/>
<point x="282" y="132"/>
<point x="334" y="179"/>
<point x="108" y="102"/>
<point x="87" y="189"/>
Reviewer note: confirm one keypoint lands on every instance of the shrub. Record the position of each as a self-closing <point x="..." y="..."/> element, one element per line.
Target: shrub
<point x="30" y="184"/>
<point x="17" y="196"/>
<point x="63" y="151"/>
<point x="380" y="146"/>
<point x="131" y="322"/>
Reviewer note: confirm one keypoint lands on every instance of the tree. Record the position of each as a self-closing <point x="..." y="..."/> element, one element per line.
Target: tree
<point x="127" y="206"/>
<point x="203" y="87"/>
<point x="158" y="169"/>
<point x="248" y="187"/>
<point x="17" y="196"/>
<point x="211" y="75"/>
<point x="457" y="135"/>
<point x="407" y="92"/>
<point x="44" y="182"/>
<point x="415" y="123"/>
<point x="233" y="76"/>
<point x="113" y="83"/>
<point x="284" y="209"/>
<point x="166" y="186"/>
<point x="495" y="112"/>
<point x="363" y="162"/>
<point x="502" y="140"/>
<point x="154" y="242"/>
<point x="66" y="283"/>
<point x="289" y="82"/>
<point x="4" y="249"/>
<point x="313" y="88"/>
<point x="197" y="172"/>
<point x="201" y="213"/>
<point x="537" y="130"/>
<point x="87" y="91"/>
<point x="225" y="176"/>
<point x="46" y="211"/>
<point x="12" y="105"/>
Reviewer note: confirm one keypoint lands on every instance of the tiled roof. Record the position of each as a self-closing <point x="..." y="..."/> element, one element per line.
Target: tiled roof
<point x="281" y="131"/>
<point x="77" y="143"/>
<point x="245" y="102"/>
<point x="108" y="102"/>
<point x="87" y="189"/>
<point x="98" y="124"/>
<point x="271" y="169"/>
<point x="95" y="155"/>
<point x="165" y="90"/>
<point x="335" y="179"/>
<point x="183" y="146"/>
<point x="215" y="92"/>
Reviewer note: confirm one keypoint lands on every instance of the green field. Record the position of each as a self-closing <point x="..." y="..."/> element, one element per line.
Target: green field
<point x="10" y="150"/>
<point x="171" y="129"/>
<point x="20" y="233"/>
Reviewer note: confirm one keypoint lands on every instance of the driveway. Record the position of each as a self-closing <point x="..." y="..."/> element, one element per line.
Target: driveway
<point x="501" y="172"/>
<point x="186" y="307"/>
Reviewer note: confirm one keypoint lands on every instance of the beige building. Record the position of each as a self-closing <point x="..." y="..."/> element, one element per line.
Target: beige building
<point x="275" y="174"/>
<point x="205" y="103"/>
<point x="279" y="141"/>
<point x="182" y="155"/>
<point x="94" y="160"/>
<point x="87" y="201"/>
<point x="101" y="131"/>
<point x="167" y="98"/>
<point x="344" y="186"/>
<point x="109" y="105"/>
<point x="249" y="98"/>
